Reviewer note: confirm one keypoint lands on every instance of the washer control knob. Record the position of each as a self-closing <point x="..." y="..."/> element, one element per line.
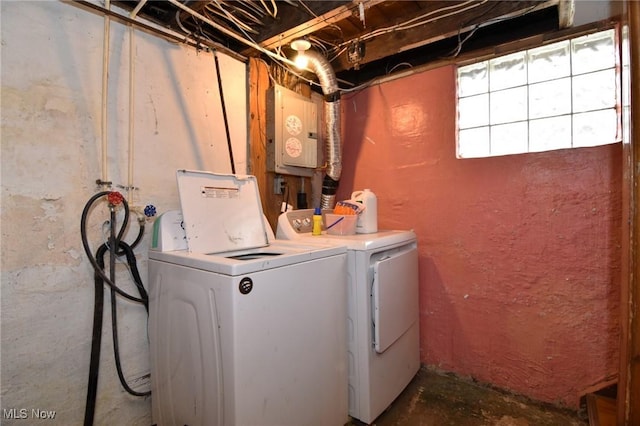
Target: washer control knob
<point x="297" y="224"/>
<point x="306" y="222"/>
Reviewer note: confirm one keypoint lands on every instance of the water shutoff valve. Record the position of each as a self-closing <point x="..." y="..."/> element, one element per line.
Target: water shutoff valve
<point x="115" y="198"/>
<point x="150" y="210"/>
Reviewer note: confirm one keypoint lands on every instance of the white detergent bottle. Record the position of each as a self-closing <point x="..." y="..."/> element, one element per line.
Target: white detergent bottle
<point x="368" y="219"/>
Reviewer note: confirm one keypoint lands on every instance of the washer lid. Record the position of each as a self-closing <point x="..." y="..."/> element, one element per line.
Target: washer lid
<point x="221" y="212"/>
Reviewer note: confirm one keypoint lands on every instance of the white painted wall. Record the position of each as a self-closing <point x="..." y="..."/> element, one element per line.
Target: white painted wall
<point x="51" y="144"/>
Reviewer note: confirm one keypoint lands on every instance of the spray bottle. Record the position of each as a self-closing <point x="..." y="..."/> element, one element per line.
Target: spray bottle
<point x="317" y="222"/>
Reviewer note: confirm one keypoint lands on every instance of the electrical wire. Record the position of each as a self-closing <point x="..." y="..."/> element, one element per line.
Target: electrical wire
<point x="247" y="41"/>
<point x="179" y="22"/>
<point x="291" y="70"/>
<point x="335" y="50"/>
<point x="222" y="12"/>
<point x="241" y="11"/>
<point x="458" y="48"/>
<point x="407" y="64"/>
<point x="275" y="8"/>
<point x="419" y="20"/>
<point x="337" y="54"/>
<point x="312" y="13"/>
<point x="455" y="52"/>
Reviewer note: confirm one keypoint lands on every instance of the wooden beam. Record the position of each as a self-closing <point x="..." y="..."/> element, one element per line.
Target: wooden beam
<point x="629" y="383"/>
<point x="302" y="29"/>
<point x="566" y="12"/>
<point x="299" y="17"/>
<point x="395" y="42"/>
<point x="259" y="83"/>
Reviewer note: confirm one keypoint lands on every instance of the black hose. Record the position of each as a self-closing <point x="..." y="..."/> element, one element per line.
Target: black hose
<point x="116" y="248"/>
<point x="114" y="331"/>
<point x="87" y="250"/>
<point x="133" y="266"/>
<point x="139" y="237"/>
<point x="96" y="340"/>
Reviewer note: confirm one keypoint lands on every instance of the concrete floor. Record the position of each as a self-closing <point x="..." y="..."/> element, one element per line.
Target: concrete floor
<point x="438" y="399"/>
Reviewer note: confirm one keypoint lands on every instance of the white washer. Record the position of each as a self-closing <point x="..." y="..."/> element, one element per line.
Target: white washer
<point x="383" y="324"/>
<point x="245" y="336"/>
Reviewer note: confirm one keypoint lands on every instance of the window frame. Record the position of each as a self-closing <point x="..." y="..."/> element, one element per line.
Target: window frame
<point x="522" y="47"/>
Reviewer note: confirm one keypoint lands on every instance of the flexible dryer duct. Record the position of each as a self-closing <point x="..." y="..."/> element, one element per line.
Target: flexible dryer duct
<point x="333" y="146"/>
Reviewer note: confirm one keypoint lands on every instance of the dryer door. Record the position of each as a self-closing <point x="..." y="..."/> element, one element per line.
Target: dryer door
<point x="395" y="296"/>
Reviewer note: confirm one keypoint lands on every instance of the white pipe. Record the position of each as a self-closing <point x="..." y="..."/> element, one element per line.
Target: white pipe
<point x="231" y="33"/>
<point x="105" y="90"/>
<point x="132" y="62"/>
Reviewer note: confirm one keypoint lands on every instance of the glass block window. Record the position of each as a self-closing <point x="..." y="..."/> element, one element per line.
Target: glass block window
<point x="561" y="95"/>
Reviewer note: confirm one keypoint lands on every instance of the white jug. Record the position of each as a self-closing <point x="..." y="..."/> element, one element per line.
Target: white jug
<point x="368" y="219"/>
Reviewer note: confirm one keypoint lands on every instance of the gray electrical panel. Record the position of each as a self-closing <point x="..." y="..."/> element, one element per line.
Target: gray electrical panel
<point x="292" y="133"/>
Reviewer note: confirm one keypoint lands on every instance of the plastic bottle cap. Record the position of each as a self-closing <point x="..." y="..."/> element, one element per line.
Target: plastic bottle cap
<point x="317" y="211"/>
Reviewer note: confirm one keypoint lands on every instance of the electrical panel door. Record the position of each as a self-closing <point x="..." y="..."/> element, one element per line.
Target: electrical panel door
<point x="292" y="133"/>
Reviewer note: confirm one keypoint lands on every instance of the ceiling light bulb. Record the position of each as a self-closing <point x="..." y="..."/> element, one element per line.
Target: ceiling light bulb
<point x="301" y="45"/>
<point x="301" y="61"/>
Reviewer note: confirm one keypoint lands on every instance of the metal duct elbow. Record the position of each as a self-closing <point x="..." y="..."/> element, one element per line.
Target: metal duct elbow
<point x="333" y="145"/>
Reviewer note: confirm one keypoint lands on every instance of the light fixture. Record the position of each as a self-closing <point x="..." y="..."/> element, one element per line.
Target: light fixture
<point x="301" y="45"/>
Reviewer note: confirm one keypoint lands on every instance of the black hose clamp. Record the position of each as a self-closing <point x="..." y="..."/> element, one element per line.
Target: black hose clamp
<point x="332" y="97"/>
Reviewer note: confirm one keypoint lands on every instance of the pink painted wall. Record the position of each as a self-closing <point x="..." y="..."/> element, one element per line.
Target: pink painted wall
<point x="519" y="255"/>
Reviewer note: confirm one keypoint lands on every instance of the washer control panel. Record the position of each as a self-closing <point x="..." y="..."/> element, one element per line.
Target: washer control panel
<point x="295" y="222"/>
<point x="298" y="221"/>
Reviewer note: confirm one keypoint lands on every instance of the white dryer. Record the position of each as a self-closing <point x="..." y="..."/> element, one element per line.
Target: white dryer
<point x="243" y="330"/>
<point x="383" y="325"/>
